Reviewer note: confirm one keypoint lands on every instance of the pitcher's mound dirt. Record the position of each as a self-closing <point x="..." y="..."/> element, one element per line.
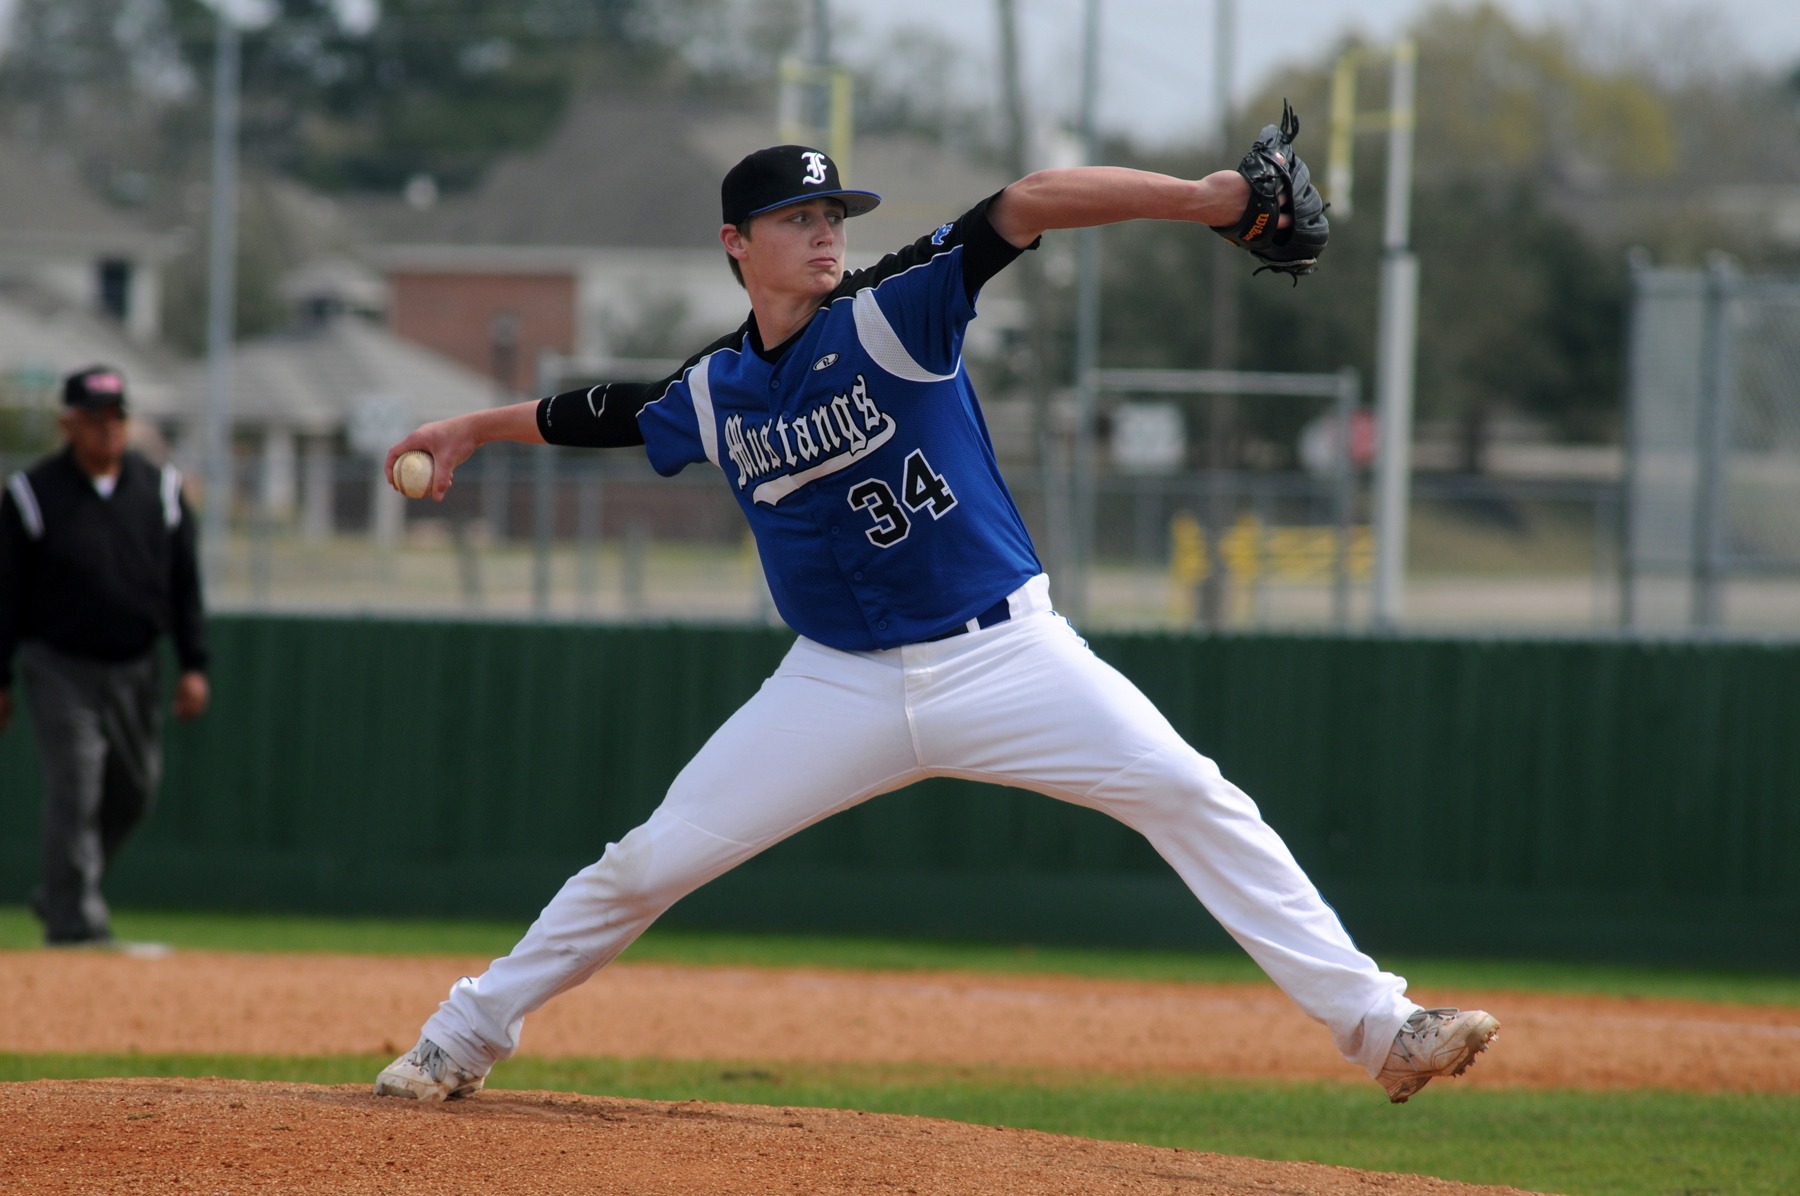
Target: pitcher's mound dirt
<point x="197" y="1002"/>
<point x="228" y="1136"/>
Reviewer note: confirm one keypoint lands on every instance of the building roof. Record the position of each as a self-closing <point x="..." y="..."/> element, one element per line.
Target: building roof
<point x="325" y="377"/>
<point x="42" y="341"/>
<point x="617" y="171"/>
<point x="45" y="210"/>
<point x="626" y="171"/>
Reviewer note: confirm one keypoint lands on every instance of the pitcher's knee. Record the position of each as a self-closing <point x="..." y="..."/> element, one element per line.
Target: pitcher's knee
<point x="620" y="880"/>
<point x="1177" y="782"/>
<point x="654" y="866"/>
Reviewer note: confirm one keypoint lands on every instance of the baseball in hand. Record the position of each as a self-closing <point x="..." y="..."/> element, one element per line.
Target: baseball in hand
<point x="412" y="473"/>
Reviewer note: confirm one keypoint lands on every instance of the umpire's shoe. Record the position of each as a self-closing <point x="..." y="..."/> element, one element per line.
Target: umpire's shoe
<point x="426" y="1073"/>
<point x="1434" y="1042"/>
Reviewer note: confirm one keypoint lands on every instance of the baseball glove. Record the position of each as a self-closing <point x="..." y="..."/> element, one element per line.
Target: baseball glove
<point x="1279" y="181"/>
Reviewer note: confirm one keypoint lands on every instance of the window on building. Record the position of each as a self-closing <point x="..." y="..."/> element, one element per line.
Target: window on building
<point x="115" y="288"/>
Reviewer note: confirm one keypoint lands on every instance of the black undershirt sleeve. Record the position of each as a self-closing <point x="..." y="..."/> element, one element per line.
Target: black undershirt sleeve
<point x="985" y="251"/>
<point x="603" y="416"/>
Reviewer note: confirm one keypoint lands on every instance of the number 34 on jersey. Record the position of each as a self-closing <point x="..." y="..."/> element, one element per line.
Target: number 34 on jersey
<point x="922" y="489"/>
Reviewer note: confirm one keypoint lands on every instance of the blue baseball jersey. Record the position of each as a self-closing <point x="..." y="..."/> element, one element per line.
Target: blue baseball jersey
<point x="857" y="449"/>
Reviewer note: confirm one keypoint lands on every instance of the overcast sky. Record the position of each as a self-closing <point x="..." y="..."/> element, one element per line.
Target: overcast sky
<point x="1156" y="75"/>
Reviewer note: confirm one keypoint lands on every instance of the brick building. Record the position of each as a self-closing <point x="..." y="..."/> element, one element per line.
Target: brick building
<point x="603" y="244"/>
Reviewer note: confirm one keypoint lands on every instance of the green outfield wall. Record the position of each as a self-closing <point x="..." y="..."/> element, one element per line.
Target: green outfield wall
<point x="1622" y="800"/>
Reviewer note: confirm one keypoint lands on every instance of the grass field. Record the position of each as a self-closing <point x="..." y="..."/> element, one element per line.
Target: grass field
<point x="1579" y="1143"/>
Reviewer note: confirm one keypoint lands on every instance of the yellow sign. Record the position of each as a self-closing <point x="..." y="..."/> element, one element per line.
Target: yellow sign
<point x="1252" y="552"/>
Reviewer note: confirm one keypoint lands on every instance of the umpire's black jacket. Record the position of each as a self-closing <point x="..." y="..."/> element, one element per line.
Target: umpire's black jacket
<point x="98" y="578"/>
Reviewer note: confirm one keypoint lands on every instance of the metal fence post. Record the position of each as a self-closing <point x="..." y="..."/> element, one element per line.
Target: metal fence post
<point x="543" y="498"/>
<point x="1712" y="444"/>
<point x="1345" y="499"/>
<point x="1635" y="432"/>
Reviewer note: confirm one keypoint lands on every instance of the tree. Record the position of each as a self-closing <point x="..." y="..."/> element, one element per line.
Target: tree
<point x="1501" y="102"/>
<point x="1521" y="308"/>
<point x="92" y="82"/>
<point x="258" y="305"/>
<point x="434" y="87"/>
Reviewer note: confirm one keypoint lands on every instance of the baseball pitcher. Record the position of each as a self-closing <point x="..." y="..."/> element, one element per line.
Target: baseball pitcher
<point x="840" y="417"/>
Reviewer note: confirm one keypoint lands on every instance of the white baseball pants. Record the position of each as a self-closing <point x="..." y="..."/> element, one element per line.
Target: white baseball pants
<point x="1023" y="703"/>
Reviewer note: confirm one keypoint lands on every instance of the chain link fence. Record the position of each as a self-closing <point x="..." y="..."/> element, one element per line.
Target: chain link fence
<point x="1699" y="537"/>
<point x="566" y="534"/>
<point x="1712" y="485"/>
<point x="569" y="534"/>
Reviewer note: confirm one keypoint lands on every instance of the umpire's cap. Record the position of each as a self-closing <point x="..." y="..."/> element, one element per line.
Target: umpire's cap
<point x="784" y="174"/>
<point x="95" y="389"/>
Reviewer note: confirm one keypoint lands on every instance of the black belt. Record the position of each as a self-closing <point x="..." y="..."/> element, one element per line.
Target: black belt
<point x="993" y="616"/>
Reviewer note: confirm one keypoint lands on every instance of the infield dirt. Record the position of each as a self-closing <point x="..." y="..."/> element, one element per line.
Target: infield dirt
<point x="219" y="1136"/>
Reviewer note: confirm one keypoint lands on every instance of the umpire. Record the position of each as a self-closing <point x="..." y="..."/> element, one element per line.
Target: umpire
<point x="97" y="562"/>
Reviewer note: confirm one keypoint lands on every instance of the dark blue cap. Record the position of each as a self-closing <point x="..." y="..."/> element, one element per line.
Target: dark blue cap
<point x="784" y="174"/>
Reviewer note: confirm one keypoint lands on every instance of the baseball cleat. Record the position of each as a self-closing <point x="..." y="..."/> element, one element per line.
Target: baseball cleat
<point x="426" y="1073"/>
<point x="1434" y="1042"/>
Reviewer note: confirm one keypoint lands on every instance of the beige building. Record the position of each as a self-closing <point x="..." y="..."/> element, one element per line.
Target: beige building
<point x="80" y="283"/>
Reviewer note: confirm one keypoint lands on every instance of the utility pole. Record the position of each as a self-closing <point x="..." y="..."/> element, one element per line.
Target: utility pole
<point x="1012" y="98"/>
<point x="816" y="96"/>
<point x="1087" y="328"/>
<point x="1033" y="364"/>
<point x="821" y="113"/>
<point x="221" y="295"/>
<point x="1227" y="263"/>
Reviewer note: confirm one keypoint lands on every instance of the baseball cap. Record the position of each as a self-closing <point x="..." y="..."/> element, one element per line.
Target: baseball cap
<point x="94" y="389"/>
<point x="784" y="174"/>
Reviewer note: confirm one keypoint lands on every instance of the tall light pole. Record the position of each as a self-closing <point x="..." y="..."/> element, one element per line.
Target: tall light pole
<point x="1396" y="338"/>
<point x="221" y="292"/>
<point x="1396" y="351"/>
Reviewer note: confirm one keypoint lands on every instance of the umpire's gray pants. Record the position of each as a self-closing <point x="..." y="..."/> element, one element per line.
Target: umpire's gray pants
<point x="99" y="736"/>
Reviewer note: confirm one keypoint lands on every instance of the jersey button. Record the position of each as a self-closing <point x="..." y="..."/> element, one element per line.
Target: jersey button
<point x="834" y="529"/>
<point x="856" y="577"/>
<point x="881" y="626"/>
